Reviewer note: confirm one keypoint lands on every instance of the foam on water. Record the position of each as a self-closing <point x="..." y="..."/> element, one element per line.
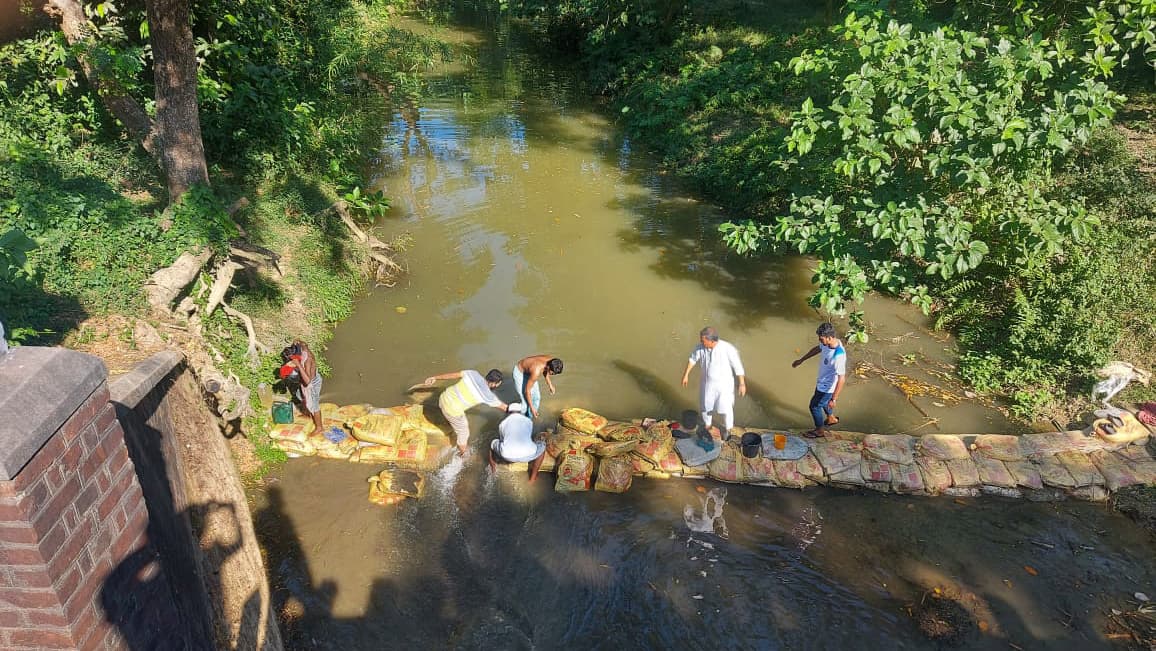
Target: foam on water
<point x="710" y="519"/>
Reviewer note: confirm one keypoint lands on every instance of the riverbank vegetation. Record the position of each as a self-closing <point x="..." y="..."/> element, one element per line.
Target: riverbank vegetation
<point x="100" y="192"/>
<point x="991" y="164"/>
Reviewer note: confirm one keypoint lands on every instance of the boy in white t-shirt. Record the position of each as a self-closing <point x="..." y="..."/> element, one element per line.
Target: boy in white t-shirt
<point x="832" y="373"/>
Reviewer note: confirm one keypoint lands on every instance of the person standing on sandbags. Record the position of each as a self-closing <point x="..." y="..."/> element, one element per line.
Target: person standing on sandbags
<point x="300" y="367"/>
<point x="470" y="390"/>
<point x="720" y="366"/>
<point x="526" y="374"/>
<point x="832" y="373"/>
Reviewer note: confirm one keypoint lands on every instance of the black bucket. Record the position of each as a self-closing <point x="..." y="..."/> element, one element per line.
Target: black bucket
<point x="752" y="445"/>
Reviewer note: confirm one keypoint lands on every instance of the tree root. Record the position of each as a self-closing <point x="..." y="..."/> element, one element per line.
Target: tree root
<point x="378" y="250"/>
<point x="163" y="287"/>
<point x="255" y="345"/>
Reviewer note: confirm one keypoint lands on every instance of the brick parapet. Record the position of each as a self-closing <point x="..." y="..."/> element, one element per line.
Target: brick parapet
<point x="71" y="509"/>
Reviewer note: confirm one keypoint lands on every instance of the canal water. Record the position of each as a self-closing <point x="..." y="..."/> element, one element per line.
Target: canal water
<point x="538" y="227"/>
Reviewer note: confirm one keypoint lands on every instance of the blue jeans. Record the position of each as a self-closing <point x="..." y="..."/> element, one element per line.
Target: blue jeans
<point x="819" y="408"/>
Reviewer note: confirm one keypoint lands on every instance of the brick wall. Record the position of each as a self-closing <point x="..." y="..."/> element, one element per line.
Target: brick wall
<point x="72" y="516"/>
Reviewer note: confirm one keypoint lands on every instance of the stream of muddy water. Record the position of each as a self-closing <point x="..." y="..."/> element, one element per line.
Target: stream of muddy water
<point x="539" y="228"/>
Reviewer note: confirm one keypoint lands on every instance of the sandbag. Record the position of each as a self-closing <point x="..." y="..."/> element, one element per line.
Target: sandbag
<point x="374" y="454"/>
<point x="849" y="477"/>
<point x="654" y="442"/>
<point x="896" y="448"/>
<point x="728" y="465"/>
<point x="1001" y="447"/>
<point x="612" y="448"/>
<point x="936" y="476"/>
<point x="549" y="463"/>
<point x="876" y="470"/>
<point x="1117" y="472"/>
<point x="1053" y="473"/>
<point x="670" y="462"/>
<point x="376" y="428"/>
<point x="657" y="474"/>
<point x="391" y="481"/>
<point x="291" y="431"/>
<point x="993" y="472"/>
<point x="350" y="413"/>
<point x="411" y="446"/>
<point x="836" y="456"/>
<point x="1135" y="453"/>
<point x="798" y="473"/>
<point x="906" y="478"/>
<point x="328" y="409"/>
<point x="1038" y="446"/>
<point x="1092" y="493"/>
<point x="1083" y="471"/>
<point x="614" y="474"/>
<point x="575" y="470"/>
<point x="999" y="491"/>
<point x="1130" y="431"/>
<point x="414" y="418"/>
<point x="642" y="465"/>
<point x="758" y="470"/>
<point x="586" y="422"/>
<point x="942" y="447"/>
<point x="327" y="449"/>
<point x="964" y="474"/>
<point x="1025" y="473"/>
<point x="619" y="431"/>
<point x="297" y="448"/>
<point x="558" y="442"/>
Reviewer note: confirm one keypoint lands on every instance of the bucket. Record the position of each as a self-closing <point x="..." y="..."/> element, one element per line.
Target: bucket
<point x="689" y="420"/>
<point x="282" y="412"/>
<point x="752" y="445"/>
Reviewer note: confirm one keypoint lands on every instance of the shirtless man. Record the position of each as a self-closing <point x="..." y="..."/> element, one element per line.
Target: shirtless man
<point x="526" y="373"/>
<point x="299" y="358"/>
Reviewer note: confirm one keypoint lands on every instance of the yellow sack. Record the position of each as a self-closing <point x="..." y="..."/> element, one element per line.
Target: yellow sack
<point x="614" y="474"/>
<point x="375" y="454"/>
<point x="616" y="431"/>
<point x="406" y="483"/>
<point x="299" y="448"/>
<point x="329" y="409"/>
<point x="654" y="442"/>
<point x="415" y="419"/>
<point x="327" y="449"/>
<point x="585" y="422"/>
<point x="612" y="448"/>
<point x="350" y="413"/>
<point x="411" y="446"/>
<point x="575" y="468"/>
<point x="377" y="428"/>
<point x="557" y="442"/>
<point x="295" y="431"/>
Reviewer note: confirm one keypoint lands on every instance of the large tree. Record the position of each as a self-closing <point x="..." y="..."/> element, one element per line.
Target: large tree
<point x="174" y="137"/>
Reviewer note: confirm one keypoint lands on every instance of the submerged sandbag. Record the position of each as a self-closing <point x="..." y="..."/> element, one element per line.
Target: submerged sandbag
<point x="581" y="420"/>
<point x="941" y="447"/>
<point x="993" y="472"/>
<point x="896" y="448"/>
<point x="374" y="454"/>
<point x="379" y="429"/>
<point x="835" y="455"/>
<point x="614" y="474"/>
<point x="1001" y="447"/>
<point x="399" y="482"/>
<point x="411" y="446"/>
<point x="1094" y="493"/>
<point x="575" y="470"/>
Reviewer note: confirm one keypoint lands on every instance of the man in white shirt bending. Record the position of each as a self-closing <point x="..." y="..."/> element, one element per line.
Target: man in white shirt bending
<point x="720" y="366"/>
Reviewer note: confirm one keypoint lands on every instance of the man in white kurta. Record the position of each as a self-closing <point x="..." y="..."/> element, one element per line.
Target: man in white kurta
<point x="720" y="366"/>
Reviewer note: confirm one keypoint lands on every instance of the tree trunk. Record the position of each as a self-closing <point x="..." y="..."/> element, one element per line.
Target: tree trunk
<point x="182" y="153"/>
<point x="123" y="107"/>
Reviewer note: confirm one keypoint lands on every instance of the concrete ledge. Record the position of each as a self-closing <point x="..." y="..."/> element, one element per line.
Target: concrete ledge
<point x="43" y="387"/>
<point x="132" y="387"/>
